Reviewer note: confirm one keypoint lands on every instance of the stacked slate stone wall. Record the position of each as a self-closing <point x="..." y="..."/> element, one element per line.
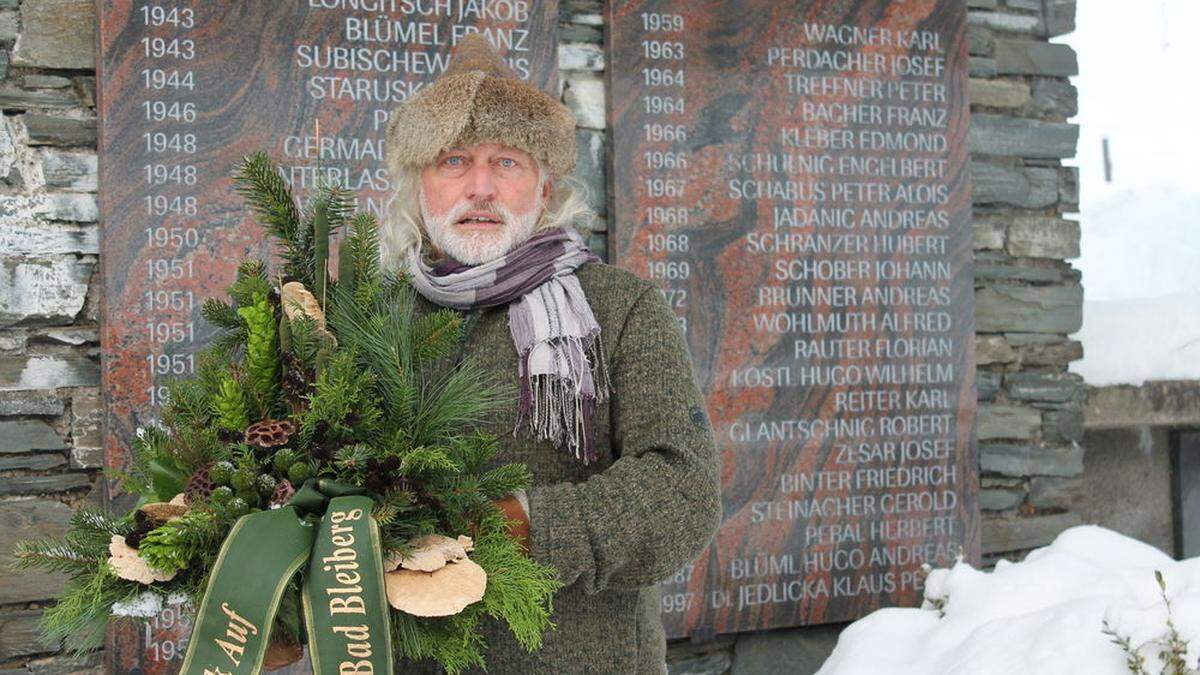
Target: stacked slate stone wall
<point x="50" y="409"/>
<point x="1028" y="297"/>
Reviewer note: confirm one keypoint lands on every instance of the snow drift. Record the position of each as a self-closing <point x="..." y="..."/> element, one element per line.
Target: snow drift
<point x="1045" y="615"/>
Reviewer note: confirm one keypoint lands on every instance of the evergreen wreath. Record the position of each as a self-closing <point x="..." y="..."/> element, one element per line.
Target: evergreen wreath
<point x="335" y="383"/>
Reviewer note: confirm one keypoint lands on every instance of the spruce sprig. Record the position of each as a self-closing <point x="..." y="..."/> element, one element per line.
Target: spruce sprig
<point x="358" y="264"/>
<point x="172" y="546"/>
<point x="53" y="555"/>
<point x="269" y="196"/>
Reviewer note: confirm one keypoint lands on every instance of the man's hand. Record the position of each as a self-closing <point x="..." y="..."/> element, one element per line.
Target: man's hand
<point x="518" y="519"/>
<point x="281" y="652"/>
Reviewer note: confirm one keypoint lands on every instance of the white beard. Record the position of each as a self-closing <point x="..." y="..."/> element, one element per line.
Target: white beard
<point x="478" y="247"/>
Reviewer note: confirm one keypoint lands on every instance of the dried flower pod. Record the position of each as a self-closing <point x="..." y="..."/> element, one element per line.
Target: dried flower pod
<point x="126" y="562"/>
<point x="269" y="434"/>
<point x="283" y="493"/>
<point x="442" y="593"/>
<point x="199" y="485"/>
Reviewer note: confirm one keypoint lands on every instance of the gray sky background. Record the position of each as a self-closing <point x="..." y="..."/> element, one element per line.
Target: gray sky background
<point x="1140" y="248"/>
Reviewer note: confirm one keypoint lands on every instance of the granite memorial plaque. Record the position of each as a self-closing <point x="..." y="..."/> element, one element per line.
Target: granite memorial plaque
<point x="186" y="89"/>
<point x="794" y="176"/>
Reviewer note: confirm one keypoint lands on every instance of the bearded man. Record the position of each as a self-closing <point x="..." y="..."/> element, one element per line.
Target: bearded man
<point x="609" y="419"/>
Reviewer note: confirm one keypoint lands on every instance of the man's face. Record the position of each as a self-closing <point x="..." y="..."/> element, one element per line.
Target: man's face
<point x="480" y="202"/>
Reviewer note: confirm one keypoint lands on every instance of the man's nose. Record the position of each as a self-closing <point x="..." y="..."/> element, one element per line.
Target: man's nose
<point x="480" y="186"/>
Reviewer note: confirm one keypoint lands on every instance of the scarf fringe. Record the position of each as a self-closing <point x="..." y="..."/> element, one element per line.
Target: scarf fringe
<point x="595" y="356"/>
<point x="556" y="407"/>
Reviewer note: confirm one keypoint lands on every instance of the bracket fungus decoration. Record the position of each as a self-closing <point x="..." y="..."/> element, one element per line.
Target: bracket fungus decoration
<point x="435" y="578"/>
<point x="298" y="301"/>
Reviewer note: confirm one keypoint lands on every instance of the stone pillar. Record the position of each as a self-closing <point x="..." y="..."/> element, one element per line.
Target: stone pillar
<point x="50" y="441"/>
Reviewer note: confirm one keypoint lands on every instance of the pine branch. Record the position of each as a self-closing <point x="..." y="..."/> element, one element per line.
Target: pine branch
<point x="453" y="641"/>
<point x="435" y="334"/>
<point x="473" y="450"/>
<point x="423" y="460"/>
<point x="81" y="615"/>
<point x="53" y="556"/>
<point x="519" y="591"/>
<point x="187" y="404"/>
<point x="463" y="398"/>
<point x="213" y="366"/>
<point x="362" y="246"/>
<point x="221" y="314"/>
<point x="351" y="461"/>
<point x="343" y="403"/>
<point x="92" y="530"/>
<point x="269" y="196"/>
<point x="504" y="480"/>
<point x="251" y="284"/>
<point x="230" y="343"/>
<point x="381" y="338"/>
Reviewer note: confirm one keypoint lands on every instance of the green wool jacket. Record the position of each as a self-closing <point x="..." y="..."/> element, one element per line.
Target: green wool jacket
<point x="615" y="528"/>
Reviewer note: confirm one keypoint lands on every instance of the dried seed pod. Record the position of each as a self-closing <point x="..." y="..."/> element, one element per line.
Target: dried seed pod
<point x="269" y="434"/>
<point x="142" y="525"/>
<point x="283" y="493"/>
<point x="199" y="485"/>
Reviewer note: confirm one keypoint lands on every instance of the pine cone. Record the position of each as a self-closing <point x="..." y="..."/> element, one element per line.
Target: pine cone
<point x="283" y="492"/>
<point x="320" y="429"/>
<point x="142" y="525"/>
<point x="296" y="381"/>
<point x="269" y="434"/>
<point x="200" y="485"/>
<point x="228" y="436"/>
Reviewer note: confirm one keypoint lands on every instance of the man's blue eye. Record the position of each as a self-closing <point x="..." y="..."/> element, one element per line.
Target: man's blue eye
<point x="507" y="162"/>
<point x="454" y="161"/>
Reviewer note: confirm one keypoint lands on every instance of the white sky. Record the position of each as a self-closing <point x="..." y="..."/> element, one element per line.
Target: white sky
<point x="1139" y="64"/>
<point x="1140" y="248"/>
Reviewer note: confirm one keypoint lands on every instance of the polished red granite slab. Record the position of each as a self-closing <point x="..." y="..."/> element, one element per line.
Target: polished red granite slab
<point x="795" y="177"/>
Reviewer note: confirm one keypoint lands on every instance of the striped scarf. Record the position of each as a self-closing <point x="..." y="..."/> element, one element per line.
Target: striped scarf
<point x="561" y="361"/>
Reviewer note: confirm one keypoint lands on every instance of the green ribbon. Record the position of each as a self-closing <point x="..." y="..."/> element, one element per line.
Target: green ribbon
<point x="345" y="605"/>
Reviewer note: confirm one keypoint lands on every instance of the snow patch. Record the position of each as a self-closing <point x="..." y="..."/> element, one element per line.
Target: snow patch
<point x="1132" y="341"/>
<point x="148" y="604"/>
<point x="1042" y="616"/>
<point x="1141" y="312"/>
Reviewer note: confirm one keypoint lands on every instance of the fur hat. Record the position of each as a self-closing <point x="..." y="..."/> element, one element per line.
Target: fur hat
<point x="479" y="99"/>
